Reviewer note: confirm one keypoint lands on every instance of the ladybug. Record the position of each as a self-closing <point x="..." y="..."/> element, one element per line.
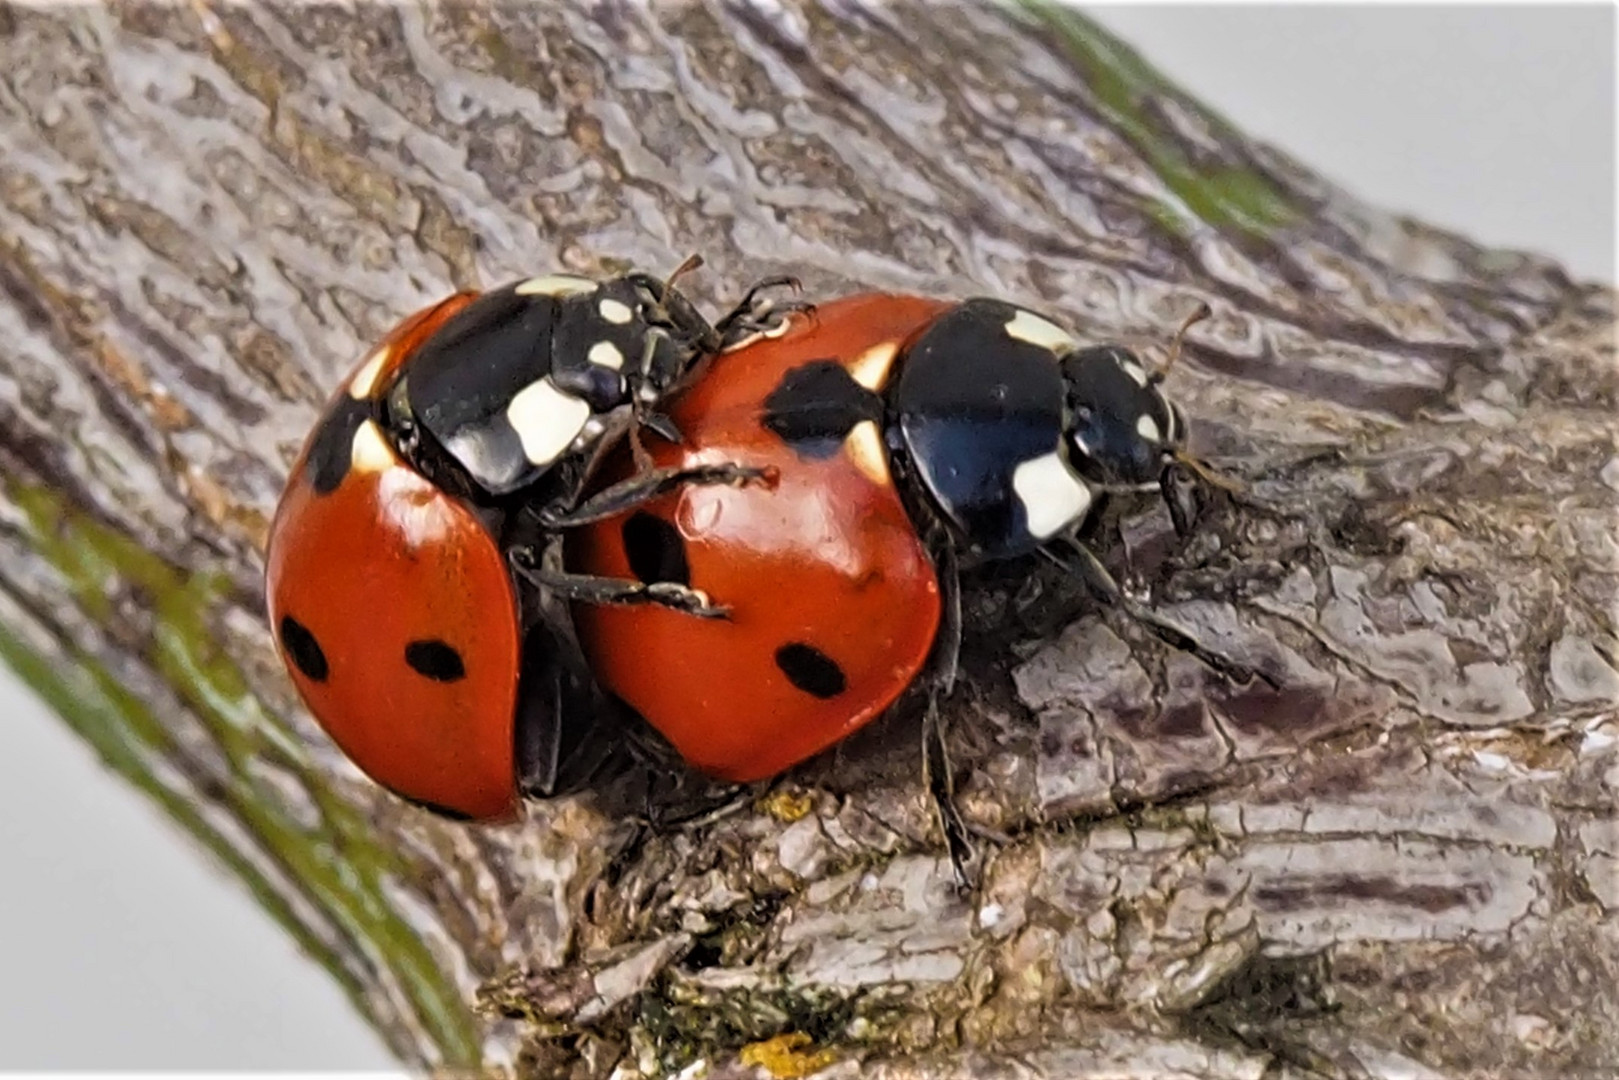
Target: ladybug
<point x="389" y="583"/>
<point x="906" y="437"/>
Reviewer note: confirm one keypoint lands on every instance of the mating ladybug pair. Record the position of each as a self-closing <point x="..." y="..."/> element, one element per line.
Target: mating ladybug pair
<point x="749" y="531"/>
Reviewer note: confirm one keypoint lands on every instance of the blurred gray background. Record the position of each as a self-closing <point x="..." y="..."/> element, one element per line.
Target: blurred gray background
<point x="121" y="947"/>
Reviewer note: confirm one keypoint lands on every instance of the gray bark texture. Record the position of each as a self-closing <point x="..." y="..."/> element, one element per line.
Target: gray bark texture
<point x="1401" y="863"/>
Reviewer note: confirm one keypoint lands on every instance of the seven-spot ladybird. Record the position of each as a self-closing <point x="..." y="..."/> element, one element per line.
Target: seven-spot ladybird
<point x="832" y="598"/>
<point x="906" y="437"/>
<point x="390" y="592"/>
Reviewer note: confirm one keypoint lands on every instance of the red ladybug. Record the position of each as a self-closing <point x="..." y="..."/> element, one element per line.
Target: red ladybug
<point x="390" y="591"/>
<point x="832" y="599"/>
<point x="906" y="436"/>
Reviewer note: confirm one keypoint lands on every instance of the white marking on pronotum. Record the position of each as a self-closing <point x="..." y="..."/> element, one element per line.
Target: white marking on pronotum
<point x="369" y="450"/>
<point x="365" y="379"/>
<point x="557" y="285"/>
<point x="1029" y="327"/>
<point x="546" y="420"/>
<point x="606" y="354"/>
<point x="864" y="445"/>
<point x="1052" y="497"/>
<point x="1147" y="428"/>
<point x="615" y="312"/>
<point x="870" y="369"/>
<point x="1135" y="371"/>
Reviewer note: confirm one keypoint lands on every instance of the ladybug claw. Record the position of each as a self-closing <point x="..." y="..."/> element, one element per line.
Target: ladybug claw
<point x="685" y="599"/>
<point x="591" y="589"/>
<point x="755" y="315"/>
<point x="662" y="426"/>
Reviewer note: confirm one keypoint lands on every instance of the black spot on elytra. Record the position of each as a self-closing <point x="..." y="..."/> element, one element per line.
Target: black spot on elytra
<point x="332" y="448"/>
<point x="811" y="670"/>
<point x="436" y="660"/>
<point x="815" y="405"/>
<point x="304" y="650"/>
<point x="656" y="550"/>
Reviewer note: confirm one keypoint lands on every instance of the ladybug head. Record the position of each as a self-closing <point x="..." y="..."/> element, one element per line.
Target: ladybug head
<point x="678" y="336"/>
<point x="1120" y="426"/>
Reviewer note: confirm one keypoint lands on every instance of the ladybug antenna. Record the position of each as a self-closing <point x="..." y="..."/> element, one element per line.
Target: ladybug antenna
<point x="1201" y="312"/>
<point x="1206" y="474"/>
<point x="692" y="262"/>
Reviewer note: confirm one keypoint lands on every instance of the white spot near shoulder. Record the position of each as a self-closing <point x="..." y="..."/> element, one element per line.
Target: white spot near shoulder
<point x="546" y="420"/>
<point x="870" y="369"/>
<point x="1029" y="327"/>
<point x="1052" y="496"/>
<point x="615" y="311"/>
<point x="1135" y="371"/>
<point x="365" y="379"/>
<point x="605" y="354"/>
<point x="864" y="445"/>
<point x="557" y="285"/>
<point x="421" y="513"/>
<point x="369" y="451"/>
<point x="1147" y="428"/>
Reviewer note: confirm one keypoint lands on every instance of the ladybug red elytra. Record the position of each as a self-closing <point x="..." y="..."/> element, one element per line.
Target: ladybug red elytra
<point x="906" y="437"/>
<point x="390" y="567"/>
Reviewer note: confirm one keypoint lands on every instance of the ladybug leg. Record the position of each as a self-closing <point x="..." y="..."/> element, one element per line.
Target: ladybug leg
<point x="1180" y="494"/>
<point x="646" y="486"/>
<point x="660" y="425"/>
<point x="590" y="589"/>
<point x="1090" y="569"/>
<point x="754" y="315"/>
<point x="940" y="778"/>
<point x="658" y="789"/>
<point x="638" y="451"/>
<point x="751" y="306"/>
<point x="943" y="666"/>
<point x="947" y="646"/>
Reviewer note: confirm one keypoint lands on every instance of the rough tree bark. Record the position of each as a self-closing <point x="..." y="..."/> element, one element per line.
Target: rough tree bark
<point x="1404" y="860"/>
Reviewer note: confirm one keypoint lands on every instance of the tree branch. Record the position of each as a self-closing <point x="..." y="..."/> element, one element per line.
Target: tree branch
<point x="1405" y="857"/>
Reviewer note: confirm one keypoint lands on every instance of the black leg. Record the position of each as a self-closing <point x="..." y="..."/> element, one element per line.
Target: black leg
<point x="660" y="425"/>
<point x="590" y="589"/>
<point x="1180" y="494"/>
<point x="947" y="646"/>
<point x="642" y="415"/>
<point x="644" y="487"/>
<point x="677" y="795"/>
<point x="941" y="783"/>
<point x="755" y="315"/>
<point x="1090" y="570"/>
<point x="745" y="306"/>
<point x="943" y="667"/>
